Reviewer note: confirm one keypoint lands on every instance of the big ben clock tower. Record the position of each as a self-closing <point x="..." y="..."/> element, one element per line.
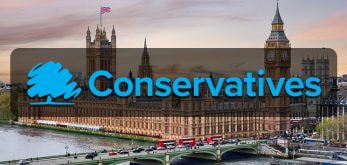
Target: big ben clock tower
<point x="277" y="62"/>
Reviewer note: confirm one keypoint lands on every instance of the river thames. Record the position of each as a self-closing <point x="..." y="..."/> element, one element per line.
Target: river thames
<point x="19" y="142"/>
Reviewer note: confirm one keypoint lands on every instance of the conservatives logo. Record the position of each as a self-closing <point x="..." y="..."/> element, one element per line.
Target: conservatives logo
<point x="49" y="81"/>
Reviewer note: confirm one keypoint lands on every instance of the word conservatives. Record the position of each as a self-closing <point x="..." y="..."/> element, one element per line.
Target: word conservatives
<point x="183" y="87"/>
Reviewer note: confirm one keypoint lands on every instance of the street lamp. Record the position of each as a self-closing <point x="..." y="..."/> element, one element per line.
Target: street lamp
<point x="66" y="148"/>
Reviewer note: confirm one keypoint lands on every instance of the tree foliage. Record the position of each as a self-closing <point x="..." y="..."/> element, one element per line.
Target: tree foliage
<point x="328" y="128"/>
<point x="5" y="108"/>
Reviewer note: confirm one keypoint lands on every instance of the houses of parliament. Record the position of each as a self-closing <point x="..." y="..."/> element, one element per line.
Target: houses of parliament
<point x="173" y="117"/>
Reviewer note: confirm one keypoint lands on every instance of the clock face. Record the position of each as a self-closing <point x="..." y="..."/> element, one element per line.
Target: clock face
<point x="271" y="55"/>
<point x="284" y="56"/>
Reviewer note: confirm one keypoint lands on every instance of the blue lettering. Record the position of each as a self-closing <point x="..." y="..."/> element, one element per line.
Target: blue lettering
<point x="92" y="80"/>
<point x="292" y="85"/>
<point x="275" y="91"/>
<point x="312" y="83"/>
<point x="165" y="87"/>
<point x="260" y="82"/>
<point x="149" y="83"/>
<point x="197" y="82"/>
<point x="117" y="86"/>
<point x="235" y="84"/>
<point x="214" y="89"/>
<point x="249" y="80"/>
<point x="179" y="84"/>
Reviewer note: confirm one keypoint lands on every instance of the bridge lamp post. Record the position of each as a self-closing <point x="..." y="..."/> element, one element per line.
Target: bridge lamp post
<point x="167" y="159"/>
<point x="66" y="148"/>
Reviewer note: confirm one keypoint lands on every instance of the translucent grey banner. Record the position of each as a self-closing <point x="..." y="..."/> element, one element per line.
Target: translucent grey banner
<point x="172" y="63"/>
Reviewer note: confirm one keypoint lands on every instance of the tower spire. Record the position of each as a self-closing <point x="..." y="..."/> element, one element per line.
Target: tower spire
<point x="130" y="75"/>
<point x="97" y="34"/>
<point x="145" y="69"/>
<point x="113" y="38"/>
<point x="88" y="38"/>
<point x="277" y="19"/>
<point x="113" y="31"/>
<point x="88" y="32"/>
<point x="277" y="33"/>
<point x="145" y="52"/>
<point x="103" y="33"/>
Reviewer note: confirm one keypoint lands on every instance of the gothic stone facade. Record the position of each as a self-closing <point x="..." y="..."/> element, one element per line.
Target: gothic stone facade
<point x="173" y="117"/>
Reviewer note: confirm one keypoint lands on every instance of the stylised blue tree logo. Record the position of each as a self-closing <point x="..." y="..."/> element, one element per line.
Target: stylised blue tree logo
<point x="51" y="80"/>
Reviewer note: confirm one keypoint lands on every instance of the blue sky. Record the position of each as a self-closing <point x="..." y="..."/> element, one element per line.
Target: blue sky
<point x="172" y="23"/>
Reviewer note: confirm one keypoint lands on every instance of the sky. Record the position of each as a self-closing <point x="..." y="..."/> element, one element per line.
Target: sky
<point x="171" y="24"/>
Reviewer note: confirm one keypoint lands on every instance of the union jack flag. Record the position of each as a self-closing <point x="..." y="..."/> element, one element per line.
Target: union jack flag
<point x="105" y="10"/>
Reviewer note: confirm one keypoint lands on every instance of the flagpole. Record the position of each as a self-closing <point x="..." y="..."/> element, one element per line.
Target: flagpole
<point x="100" y="17"/>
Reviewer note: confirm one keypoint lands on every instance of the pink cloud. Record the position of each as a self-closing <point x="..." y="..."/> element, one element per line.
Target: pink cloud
<point x="20" y="4"/>
<point x="333" y="28"/>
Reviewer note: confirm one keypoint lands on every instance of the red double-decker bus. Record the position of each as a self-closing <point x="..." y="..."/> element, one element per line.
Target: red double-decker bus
<point x="214" y="139"/>
<point x="182" y="142"/>
<point x="166" y="144"/>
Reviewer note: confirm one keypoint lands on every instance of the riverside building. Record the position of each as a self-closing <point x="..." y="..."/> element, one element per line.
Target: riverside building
<point x="174" y="117"/>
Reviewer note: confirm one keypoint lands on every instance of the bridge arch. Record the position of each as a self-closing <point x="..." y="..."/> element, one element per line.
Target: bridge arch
<point x="162" y="161"/>
<point x="173" y="157"/>
<point x="151" y="158"/>
<point x="237" y="148"/>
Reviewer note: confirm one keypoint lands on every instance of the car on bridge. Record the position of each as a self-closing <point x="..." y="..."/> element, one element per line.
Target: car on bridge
<point x="233" y="141"/>
<point x="91" y="155"/>
<point x="188" y="146"/>
<point x="170" y="147"/>
<point x="137" y="150"/>
<point x="200" y="143"/>
<point x="112" y="153"/>
<point x="123" y="152"/>
<point x="153" y="147"/>
<point x="23" y="162"/>
<point x="224" y="142"/>
<point x="148" y="149"/>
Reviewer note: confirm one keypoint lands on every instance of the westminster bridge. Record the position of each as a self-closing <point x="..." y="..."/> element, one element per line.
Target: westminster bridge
<point x="164" y="157"/>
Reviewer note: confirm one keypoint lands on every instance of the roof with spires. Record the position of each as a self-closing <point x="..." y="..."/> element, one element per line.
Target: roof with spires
<point x="101" y="37"/>
<point x="277" y="19"/>
<point x="277" y="34"/>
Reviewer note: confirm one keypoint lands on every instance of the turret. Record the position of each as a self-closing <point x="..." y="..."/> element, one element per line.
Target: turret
<point x="103" y="34"/>
<point x="88" y="38"/>
<point x="105" y="60"/>
<point x="145" y="56"/>
<point x="130" y="75"/>
<point x="97" y="37"/>
<point x="113" y="38"/>
<point x="145" y="69"/>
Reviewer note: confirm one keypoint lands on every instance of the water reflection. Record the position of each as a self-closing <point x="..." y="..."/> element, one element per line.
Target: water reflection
<point x="23" y="142"/>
